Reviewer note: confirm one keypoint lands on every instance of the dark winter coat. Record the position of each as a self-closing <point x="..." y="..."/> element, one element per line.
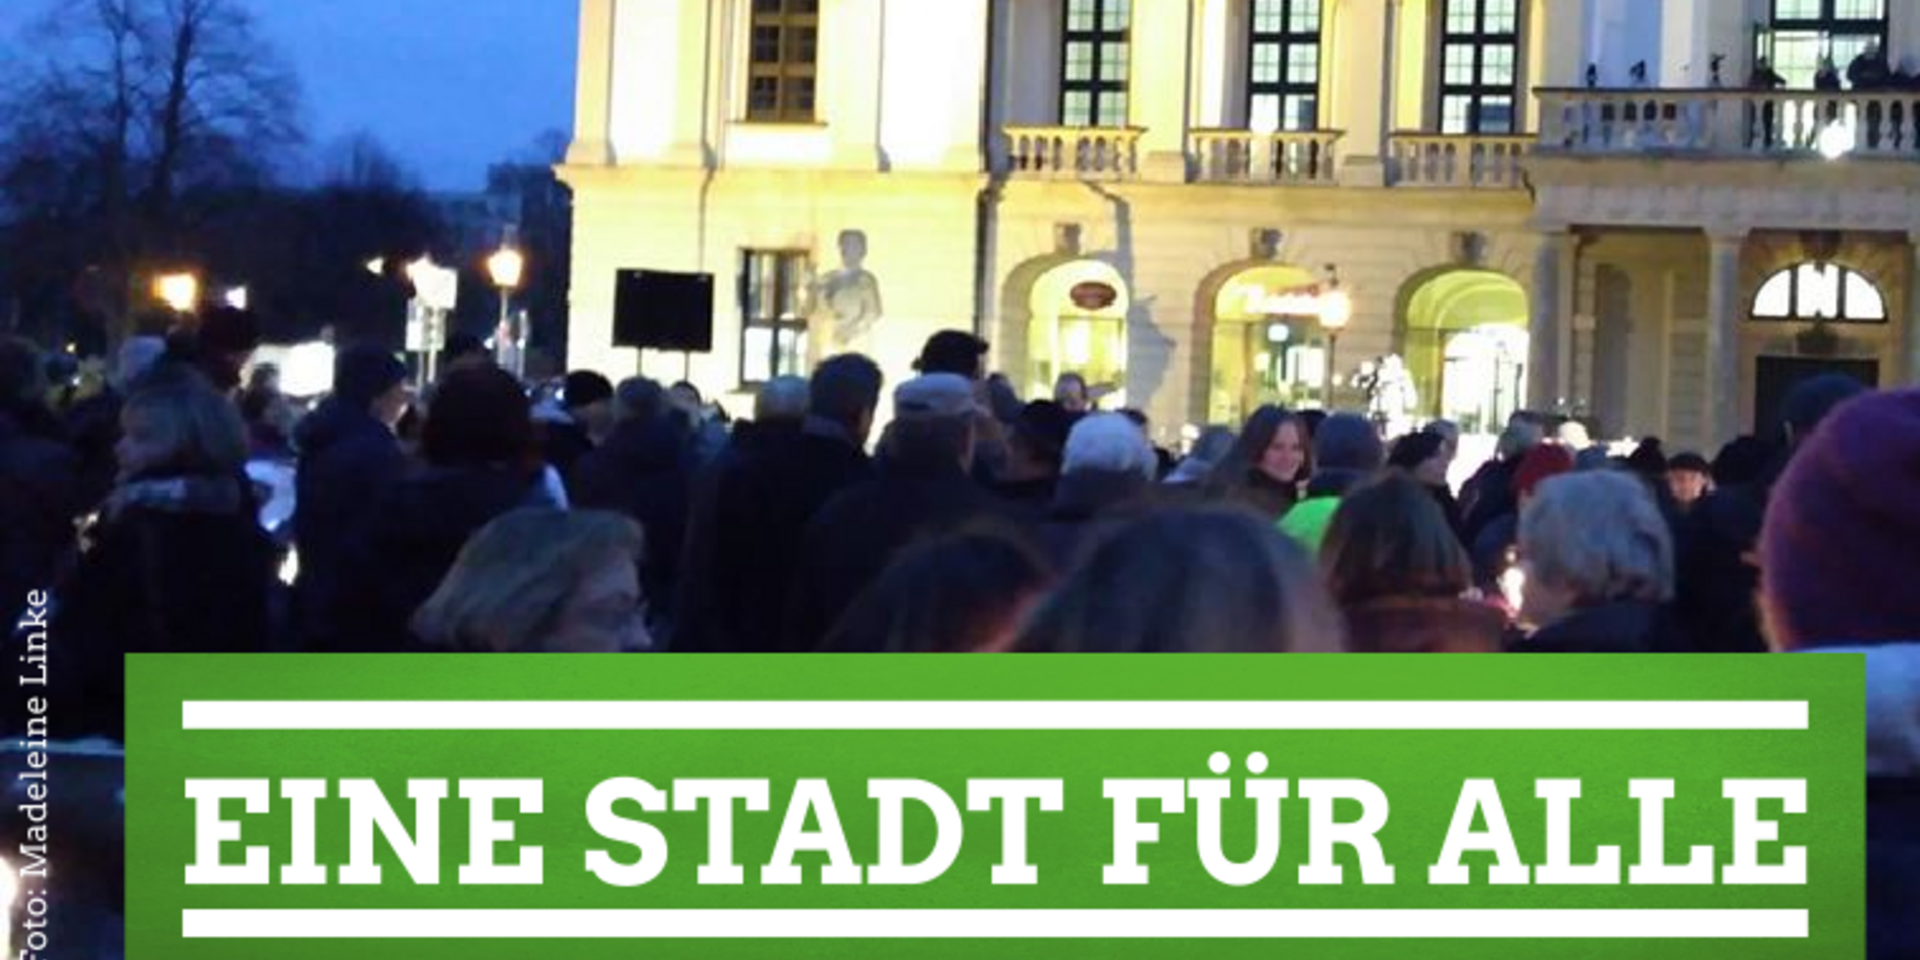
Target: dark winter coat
<point x="644" y="472"/>
<point x="1088" y="507"/>
<point x="1715" y="578"/>
<point x="853" y="538"/>
<point x="348" y="462"/>
<point x="177" y="565"/>
<point x="564" y="443"/>
<point x="1626" y="626"/>
<point x="750" y="513"/>
<point x="39" y="493"/>
<point x="414" y="538"/>
<point x="94" y="427"/>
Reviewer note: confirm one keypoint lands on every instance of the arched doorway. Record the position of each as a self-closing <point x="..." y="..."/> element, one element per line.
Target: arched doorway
<point x="1465" y="340"/>
<point x="1078" y="324"/>
<point x="1267" y="345"/>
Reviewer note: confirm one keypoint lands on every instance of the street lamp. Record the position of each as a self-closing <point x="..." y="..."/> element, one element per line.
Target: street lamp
<point x="377" y="266"/>
<point x="507" y="266"/>
<point x="179" y="291"/>
<point x="1336" y="311"/>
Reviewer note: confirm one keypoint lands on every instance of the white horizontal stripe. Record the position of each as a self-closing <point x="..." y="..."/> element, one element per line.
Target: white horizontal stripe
<point x="996" y="715"/>
<point x="992" y="924"/>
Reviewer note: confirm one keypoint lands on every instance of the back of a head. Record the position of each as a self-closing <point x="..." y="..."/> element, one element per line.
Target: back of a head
<point x="1574" y="434"/>
<point x="1444" y="429"/>
<point x="1519" y="437"/>
<point x="1414" y="449"/>
<point x="845" y="389"/>
<point x="1390" y="539"/>
<point x="963" y="594"/>
<point x="1538" y="465"/>
<point x="933" y="422"/>
<point x="1838" y="558"/>
<point x="137" y="355"/>
<point x="200" y="430"/>
<point x="955" y="352"/>
<point x="782" y="400"/>
<point x="1599" y="536"/>
<point x="513" y="578"/>
<point x="1809" y="402"/>
<point x="1348" y="442"/>
<point x="480" y="418"/>
<point x="364" y="371"/>
<point x="1190" y="581"/>
<point x="640" y="399"/>
<point x="1041" y="431"/>
<point x="584" y="388"/>
<point x="1109" y="443"/>
<point x="1743" y="460"/>
<point x="1213" y="444"/>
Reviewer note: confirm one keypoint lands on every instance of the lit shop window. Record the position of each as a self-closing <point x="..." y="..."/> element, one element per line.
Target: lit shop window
<point x="1820" y="291"/>
<point x="783" y="60"/>
<point x="1479" y="67"/>
<point x="1095" y="64"/>
<point x="1283" y="86"/>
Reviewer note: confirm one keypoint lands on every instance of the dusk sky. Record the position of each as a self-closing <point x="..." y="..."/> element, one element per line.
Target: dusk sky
<point x="448" y="85"/>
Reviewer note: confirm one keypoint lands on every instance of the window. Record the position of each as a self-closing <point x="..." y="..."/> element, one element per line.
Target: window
<point x="1094" y="67"/>
<point x="1820" y="291"/>
<point x="1806" y="31"/>
<point x="1479" y="66"/>
<point x="773" y="332"/>
<point x="783" y="60"/>
<point x="1283" y="82"/>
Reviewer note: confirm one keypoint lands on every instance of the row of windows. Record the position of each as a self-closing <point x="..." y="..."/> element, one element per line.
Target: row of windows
<point x="1479" y="76"/>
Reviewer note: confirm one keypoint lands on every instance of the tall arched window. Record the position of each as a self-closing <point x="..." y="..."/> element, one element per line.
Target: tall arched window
<point x="1820" y="291"/>
<point x="1804" y="31"/>
<point x="1283" y="80"/>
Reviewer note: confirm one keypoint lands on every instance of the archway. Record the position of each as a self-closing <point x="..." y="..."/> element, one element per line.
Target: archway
<point x="1077" y="323"/>
<point x="1266" y="344"/>
<point x="1465" y="339"/>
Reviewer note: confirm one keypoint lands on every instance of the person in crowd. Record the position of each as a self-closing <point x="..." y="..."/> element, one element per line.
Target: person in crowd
<point x="268" y="414"/>
<point x="1764" y="77"/>
<point x="1426" y="458"/>
<point x="1838" y="573"/>
<point x="1034" y="446"/>
<point x="1744" y="460"/>
<point x="782" y="400"/>
<point x="1400" y="576"/>
<point x="643" y="472"/>
<point x="482" y="461"/>
<point x="1649" y="459"/>
<point x="1689" y="477"/>
<point x="1267" y="465"/>
<point x="922" y="489"/>
<point x="1346" y="452"/>
<point x="751" y="510"/>
<point x="1108" y="471"/>
<point x="1870" y="71"/>
<point x="965" y="355"/>
<point x="1493" y="551"/>
<point x="1449" y="434"/>
<point x="218" y="346"/>
<point x="1826" y="78"/>
<point x="968" y="593"/>
<point x="1212" y="446"/>
<point x="1070" y="392"/>
<point x="1717" y="575"/>
<point x="177" y="563"/>
<point x="1215" y="579"/>
<point x="703" y="426"/>
<point x="586" y="418"/>
<point x="39" y="481"/>
<point x="349" y="459"/>
<point x="94" y="423"/>
<point x="1488" y="495"/>
<point x="955" y="352"/>
<point x="1163" y="458"/>
<point x="541" y="580"/>
<point x="1598" y="561"/>
<point x="464" y="351"/>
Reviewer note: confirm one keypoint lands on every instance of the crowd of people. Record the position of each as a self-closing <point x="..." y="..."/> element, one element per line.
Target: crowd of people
<point x="631" y="517"/>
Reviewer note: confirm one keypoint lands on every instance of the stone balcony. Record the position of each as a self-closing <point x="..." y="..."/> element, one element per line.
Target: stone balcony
<point x="1072" y="153"/>
<point x="1242" y="156"/>
<point x="1458" y="161"/>
<point x="1730" y="124"/>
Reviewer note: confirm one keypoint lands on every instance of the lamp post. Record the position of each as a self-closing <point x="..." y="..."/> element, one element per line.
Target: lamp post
<point x="507" y="266"/>
<point x="1336" y="311"/>
<point x="179" y="291"/>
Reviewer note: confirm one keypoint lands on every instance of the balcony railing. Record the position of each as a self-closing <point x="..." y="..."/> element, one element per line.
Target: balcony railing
<point x="1073" y="153"/>
<point x="1731" y="122"/>
<point x="1242" y="156"/>
<point x="1463" y="161"/>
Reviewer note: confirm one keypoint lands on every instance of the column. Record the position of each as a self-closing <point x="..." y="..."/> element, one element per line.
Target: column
<point x="1722" y="420"/>
<point x="1157" y="84"/>
<point x="1362" y="41"/>
<point x="593" y="93"/>
<point x="1548" y="341"/>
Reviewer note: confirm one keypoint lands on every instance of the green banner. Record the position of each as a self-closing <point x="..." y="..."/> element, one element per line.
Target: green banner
<point x="1339" y="806"/>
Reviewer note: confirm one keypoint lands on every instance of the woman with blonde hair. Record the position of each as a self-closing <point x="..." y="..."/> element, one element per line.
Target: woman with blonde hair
<point x="1401" y="577"/>
<point x="541" y="581"/>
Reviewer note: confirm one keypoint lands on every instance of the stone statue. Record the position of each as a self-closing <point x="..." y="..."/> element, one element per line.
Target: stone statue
<point x="849" y="298"/>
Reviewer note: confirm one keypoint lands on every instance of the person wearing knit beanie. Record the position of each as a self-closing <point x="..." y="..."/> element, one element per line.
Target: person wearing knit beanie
<point x="1840" y="551"/>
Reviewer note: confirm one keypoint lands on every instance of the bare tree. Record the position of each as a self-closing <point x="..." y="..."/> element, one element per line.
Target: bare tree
<point x="359" y="161"/>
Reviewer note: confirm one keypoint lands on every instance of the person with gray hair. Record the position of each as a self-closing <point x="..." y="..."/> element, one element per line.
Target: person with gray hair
<point x="1108" y="471"/>
<point x="781" y="400"/>
<point x="1598" y="561"/>
<point x="644" y="471"/>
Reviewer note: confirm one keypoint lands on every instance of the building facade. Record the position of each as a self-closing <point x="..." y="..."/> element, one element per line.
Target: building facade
<point x="1577" y="205"/>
